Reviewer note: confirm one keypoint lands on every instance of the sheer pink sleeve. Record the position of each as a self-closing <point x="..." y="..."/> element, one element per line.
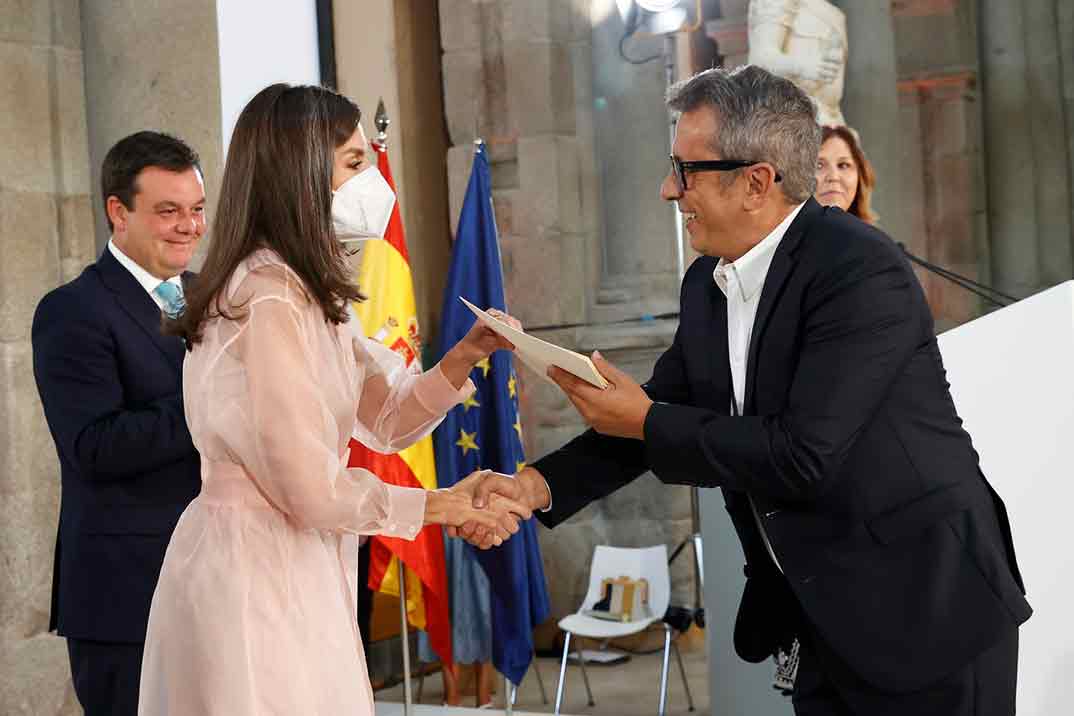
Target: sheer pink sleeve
<point x="398" y="407"/>
<point x="290" y="445"/>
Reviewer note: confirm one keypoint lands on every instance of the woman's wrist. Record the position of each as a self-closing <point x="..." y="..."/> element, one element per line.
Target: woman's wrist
<point x="437" y="506"/>
<point x="457" y="364"/>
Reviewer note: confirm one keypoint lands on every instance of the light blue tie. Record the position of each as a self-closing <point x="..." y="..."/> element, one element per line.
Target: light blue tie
<point x="172" y="295"/>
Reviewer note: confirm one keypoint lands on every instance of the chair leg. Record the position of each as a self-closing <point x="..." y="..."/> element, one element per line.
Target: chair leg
<point x="540" y="679"/>
<point x="562" y="671"/>
<point x="664" y="672"/>
<point x="421" y="682"/>
<point x="585" y="676"/>
<point x="682" y="671"/>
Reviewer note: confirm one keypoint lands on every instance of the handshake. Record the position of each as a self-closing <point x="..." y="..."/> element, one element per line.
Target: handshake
<point x="486" y="507"/>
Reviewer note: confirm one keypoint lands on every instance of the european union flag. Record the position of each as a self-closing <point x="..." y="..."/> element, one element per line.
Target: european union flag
<point x="485" y="431"/>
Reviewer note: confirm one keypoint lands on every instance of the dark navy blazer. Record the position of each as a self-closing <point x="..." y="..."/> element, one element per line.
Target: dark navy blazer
<point x="111" y="386"/>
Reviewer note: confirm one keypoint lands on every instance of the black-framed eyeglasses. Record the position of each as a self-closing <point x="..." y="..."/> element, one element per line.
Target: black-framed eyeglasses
<point x="679" y="168"/>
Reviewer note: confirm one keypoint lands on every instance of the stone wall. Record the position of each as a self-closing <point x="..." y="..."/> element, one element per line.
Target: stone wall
<point x="72" y="85"/>
<point x="1028" y="141"/>
<point x="46" y="237"/>
<point x="150" y="66"/>
<point x="942" y="170"/>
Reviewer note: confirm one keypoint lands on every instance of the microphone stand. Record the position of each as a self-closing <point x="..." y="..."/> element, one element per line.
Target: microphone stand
<point x="992" y="295"/>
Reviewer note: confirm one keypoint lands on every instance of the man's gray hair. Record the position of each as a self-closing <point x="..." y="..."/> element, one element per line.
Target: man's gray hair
<point x="762" y="117"/>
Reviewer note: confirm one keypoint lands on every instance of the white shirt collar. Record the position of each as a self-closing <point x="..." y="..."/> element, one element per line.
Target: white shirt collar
<point x="752" y="267"/>
<point x="148" y="281"/>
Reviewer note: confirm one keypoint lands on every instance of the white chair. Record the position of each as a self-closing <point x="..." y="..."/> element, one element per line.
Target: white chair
<point x="650" y="563"/>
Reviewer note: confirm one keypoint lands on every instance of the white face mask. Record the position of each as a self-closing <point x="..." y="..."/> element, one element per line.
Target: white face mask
<point x="362" y="207"/>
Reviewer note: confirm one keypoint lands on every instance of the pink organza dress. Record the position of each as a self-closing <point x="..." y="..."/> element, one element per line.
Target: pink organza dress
<point x="254" y="612"/>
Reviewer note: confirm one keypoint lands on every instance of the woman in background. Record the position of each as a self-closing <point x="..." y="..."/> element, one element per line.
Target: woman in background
<point x="845" y="177"/>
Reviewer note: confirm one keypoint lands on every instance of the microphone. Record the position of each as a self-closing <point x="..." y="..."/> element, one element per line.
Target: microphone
<point x="992" y="295"/>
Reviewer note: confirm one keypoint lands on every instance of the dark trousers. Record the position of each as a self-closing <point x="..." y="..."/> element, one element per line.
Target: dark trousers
<point x="106" y="676"/>
<point x="984" y="687"/>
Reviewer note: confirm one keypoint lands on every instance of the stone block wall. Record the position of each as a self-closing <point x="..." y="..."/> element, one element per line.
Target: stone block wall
<point x="46" y="237"/>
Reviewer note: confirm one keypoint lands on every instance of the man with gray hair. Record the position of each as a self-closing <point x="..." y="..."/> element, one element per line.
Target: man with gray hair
<point x="805" y="381"/>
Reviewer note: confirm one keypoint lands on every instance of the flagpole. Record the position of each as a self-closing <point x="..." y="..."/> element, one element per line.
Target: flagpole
<point x="508" y="687"/>
<point x="381" y="121"/>
<point x="408" y="703"/>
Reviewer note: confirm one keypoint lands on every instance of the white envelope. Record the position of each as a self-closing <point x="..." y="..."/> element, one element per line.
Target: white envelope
<point x="538" y="354"/>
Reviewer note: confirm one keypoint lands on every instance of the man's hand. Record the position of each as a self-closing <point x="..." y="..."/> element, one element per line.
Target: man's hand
<point x="487" y="489"/>
<point x="618" y="410"/>
<point x="496" y="520"/>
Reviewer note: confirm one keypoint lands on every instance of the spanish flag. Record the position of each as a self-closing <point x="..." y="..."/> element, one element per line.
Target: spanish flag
<point x="390" y="316"/>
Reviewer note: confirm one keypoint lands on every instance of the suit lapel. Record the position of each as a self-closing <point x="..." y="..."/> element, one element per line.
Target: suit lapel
<point x="778" y="272"/>
<point x="719" y="360"/>
<point x="133" y="299"/>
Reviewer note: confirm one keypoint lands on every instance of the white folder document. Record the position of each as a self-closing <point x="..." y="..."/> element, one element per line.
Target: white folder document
<point x="538" y="354"/>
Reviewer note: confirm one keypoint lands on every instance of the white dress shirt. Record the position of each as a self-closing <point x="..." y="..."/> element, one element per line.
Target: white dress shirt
<point x="148" y="281"/>
<point x="741" y="282"/>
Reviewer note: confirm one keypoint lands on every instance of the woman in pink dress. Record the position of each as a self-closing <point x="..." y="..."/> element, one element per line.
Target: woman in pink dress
<point x="254" y="612"/>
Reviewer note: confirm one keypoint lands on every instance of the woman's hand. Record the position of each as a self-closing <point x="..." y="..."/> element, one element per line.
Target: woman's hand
<point x="478" y="343"/>
<point x="453" y="507"/>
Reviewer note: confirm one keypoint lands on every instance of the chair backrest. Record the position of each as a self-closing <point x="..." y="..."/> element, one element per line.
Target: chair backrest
<point x="650" y="563"/>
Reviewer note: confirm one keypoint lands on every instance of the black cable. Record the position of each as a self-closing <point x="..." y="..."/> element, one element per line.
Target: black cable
<point x="633" y="21"/>
<point x="947" y="273"/>
<point x="986" y="292"/>
<point x="622" y="52"/>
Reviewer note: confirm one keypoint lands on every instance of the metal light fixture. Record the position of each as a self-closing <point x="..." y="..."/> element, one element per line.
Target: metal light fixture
<point x="654" y="17"/>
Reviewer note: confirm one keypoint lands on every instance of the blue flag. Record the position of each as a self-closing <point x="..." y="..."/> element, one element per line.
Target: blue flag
<point x="485" y="432"/>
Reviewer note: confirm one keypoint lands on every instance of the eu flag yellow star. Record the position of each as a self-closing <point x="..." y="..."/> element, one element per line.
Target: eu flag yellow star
<point x="519" y="466"/>
<point x="512" y="386"/>
<point x="467" y="441"/>
<point x="518" y="426"/>
<point x="470" y="402"/>
<point x="484" y="365"/>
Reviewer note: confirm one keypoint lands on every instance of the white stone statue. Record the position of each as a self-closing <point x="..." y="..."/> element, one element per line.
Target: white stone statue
<point x="806" y="42"/>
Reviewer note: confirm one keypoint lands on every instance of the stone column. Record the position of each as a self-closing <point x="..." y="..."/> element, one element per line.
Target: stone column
<point x="77" y="77"/>
<point x="152" y="66"/>
<point x="870" y="103"/>
<point x="943" y="160"/>
<point x="1050" y="148"/>
<point x="1065" y="28"/>
<point x="1010" y="171"/>
<point x="46" y="236"/>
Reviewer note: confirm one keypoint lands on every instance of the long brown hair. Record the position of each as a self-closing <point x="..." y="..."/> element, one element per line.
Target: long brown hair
<point x="860" y="207"/>
<point x="277" y="193"/>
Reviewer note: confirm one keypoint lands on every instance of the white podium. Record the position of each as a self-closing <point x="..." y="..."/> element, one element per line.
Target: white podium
<point x="1012" y="379"/>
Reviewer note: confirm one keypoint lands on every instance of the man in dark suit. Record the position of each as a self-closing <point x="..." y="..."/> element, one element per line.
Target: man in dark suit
<point x="111" y="387"/>
<point x="805" y="381"/>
